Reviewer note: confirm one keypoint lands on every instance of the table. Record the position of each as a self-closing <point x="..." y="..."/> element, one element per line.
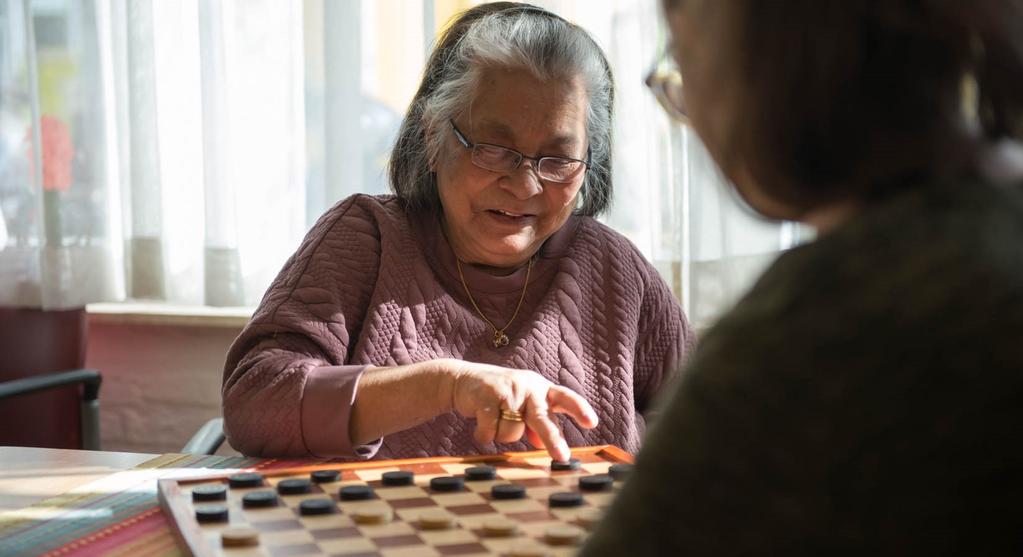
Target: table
<point x="64" y="502"/>
<point x="29" y="475"/>
<point x="57" y="502"/>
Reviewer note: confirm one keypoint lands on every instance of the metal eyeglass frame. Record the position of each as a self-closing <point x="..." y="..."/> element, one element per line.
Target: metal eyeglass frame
<point x="518" y="161"/>
<point x="665" y="81"/>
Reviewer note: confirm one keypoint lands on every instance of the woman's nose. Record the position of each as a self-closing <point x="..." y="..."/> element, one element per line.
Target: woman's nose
<point x="523" y="182"/>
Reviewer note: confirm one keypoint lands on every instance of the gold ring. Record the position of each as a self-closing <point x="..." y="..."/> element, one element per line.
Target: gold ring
<point x="511" y="415"/>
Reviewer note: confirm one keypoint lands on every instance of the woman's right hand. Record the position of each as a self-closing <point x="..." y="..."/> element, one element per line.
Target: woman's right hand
<point x="482" y="391"/>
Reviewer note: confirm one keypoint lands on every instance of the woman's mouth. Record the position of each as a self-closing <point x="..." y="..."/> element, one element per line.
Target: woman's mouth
<point x="509" y="217"/>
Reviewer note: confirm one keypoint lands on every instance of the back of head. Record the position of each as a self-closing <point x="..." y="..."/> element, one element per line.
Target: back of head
<point x="506" y="35"/>
<point x="853" y="99"/>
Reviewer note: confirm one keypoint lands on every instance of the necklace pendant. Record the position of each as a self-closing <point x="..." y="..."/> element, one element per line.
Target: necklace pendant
<point x="500" y="339"/>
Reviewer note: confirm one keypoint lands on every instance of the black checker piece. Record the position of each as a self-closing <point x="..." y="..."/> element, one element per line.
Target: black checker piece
<point x="480" y="473"/>
<point x="565" y="465"/>
<point x="311" y="507"/>
<point x="620" y="471"/>
<point x="259" y="499"/>
<point x="324" y="476"/>
<point x="447" y="483"/>
<point x="211" y="513"/>
<point x="245" y="479"/>
<point x="294" y="486"/>
<point x="210" y="492"/>
<point x="397" y="477"/>
<point x="508" y="491"/>
<point x="355" y="493"/>
<point x="565" y="499"/>
<point x="599" y="482"/>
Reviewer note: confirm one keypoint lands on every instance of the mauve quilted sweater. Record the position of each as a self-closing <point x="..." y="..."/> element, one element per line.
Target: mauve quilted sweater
<point x="374" y="286"/>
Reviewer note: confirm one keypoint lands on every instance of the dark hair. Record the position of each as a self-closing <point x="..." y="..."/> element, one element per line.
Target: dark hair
<point x="502" y="34"/>
<point x="845" y="99"/>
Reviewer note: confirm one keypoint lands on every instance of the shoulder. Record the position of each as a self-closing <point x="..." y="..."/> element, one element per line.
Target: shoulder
<point x="928" y="268"/>
<point x="921" y="246"/>
<point x="597" y="232"/>
<point x="356" y="221"/>
<point x="362" y="209"/>
<point x="598" y="244"/>
<point x="346" y="247"/>
<point x="594" y="239"/>
<point x="914" y="305"/>
<point x="353" y="230"/>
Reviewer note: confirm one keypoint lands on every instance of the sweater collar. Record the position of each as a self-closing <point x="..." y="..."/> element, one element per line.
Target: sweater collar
<point x="441" y="257"/>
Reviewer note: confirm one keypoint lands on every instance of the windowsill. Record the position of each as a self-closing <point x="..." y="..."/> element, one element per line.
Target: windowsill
<point x="139" y="313"/>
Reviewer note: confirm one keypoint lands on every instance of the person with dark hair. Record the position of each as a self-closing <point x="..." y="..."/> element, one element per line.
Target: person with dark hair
<point x="482" y="299"/>
<point x="864" y="398"/>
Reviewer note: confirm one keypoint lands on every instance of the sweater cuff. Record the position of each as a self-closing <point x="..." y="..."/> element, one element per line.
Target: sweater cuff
<point x="327" y="410"/>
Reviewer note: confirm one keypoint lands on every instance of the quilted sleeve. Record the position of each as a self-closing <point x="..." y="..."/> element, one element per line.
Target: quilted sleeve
<point x="287" y="387"/>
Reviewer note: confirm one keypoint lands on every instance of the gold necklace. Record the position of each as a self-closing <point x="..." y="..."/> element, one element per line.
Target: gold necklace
<point x="500" y="338"/>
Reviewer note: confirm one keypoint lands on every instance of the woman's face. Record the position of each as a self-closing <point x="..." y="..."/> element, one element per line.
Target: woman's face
<point x="700" y="34"/>
<point x="500" y="219"/>
<point x="693" y="46"/>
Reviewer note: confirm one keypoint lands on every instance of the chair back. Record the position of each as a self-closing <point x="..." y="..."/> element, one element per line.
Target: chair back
<point x="34" y="342"/>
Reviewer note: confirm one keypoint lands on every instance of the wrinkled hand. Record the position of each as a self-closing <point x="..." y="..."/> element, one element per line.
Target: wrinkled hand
<point x="482" y="391"/>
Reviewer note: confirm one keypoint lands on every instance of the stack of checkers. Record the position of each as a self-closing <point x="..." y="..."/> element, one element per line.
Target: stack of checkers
<point x="523" y="508"/>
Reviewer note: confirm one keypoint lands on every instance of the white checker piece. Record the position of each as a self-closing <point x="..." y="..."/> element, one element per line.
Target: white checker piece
<point x="374" y="474"/>
<point x="402" y="492"/>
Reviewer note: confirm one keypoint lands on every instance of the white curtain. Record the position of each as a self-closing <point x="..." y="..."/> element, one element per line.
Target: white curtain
<point x="670" y="200"/>
<point x="57" y="185"/>
<point x="186" y="145"/>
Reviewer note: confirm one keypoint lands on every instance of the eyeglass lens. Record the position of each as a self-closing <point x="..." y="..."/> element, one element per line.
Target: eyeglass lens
<point x="500" y="159"/>
<point x="665" y="80"/>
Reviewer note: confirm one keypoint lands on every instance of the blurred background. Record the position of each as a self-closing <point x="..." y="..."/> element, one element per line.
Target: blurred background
<point x="161" y="159"/>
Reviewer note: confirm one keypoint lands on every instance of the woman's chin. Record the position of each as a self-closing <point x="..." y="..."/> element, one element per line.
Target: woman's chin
<point x="506" y="254"/>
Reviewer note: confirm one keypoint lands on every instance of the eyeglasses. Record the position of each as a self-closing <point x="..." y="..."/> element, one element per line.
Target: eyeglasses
<point x="665" y="80"/>
<point x="502" y="159"/>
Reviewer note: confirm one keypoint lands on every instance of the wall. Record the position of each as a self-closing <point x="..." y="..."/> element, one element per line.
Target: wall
<point x="161" y="382"/>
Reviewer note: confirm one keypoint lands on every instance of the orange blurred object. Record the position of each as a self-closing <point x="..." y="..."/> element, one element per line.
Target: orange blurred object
<point x="58" y="153"/>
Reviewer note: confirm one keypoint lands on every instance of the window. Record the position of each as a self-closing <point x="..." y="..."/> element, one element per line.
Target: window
<point x="186" y="146"/>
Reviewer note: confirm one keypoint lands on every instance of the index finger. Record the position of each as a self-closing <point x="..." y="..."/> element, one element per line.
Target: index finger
<point x="566" y="401"/>
<point x="540" y="422"/>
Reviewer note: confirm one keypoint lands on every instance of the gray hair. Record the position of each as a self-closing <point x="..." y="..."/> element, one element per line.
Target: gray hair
<point x="510" y="35"/>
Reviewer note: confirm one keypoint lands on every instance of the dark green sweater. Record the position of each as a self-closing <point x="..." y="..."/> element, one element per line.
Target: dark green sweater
<point x="866" y="397"/>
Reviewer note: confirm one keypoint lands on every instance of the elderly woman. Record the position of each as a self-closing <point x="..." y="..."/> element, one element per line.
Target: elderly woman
<point x="864" y="397"/>
<point x="482" y="299"/>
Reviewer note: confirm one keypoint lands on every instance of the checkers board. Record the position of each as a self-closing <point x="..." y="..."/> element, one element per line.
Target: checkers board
<point x="513" y="504"/>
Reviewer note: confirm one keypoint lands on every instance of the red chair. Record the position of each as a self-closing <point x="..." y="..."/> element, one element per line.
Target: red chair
<point x="46" y="398"/>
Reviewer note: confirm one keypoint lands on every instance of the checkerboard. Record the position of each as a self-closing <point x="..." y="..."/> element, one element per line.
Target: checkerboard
<point x="280" y="529"/>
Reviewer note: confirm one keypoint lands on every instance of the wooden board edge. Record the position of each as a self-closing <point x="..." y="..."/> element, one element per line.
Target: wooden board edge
<point x="603" y="450"/>
<point x="180" y="519"/>
<point x="618" y="454"/>
<point x="364" y="464"/>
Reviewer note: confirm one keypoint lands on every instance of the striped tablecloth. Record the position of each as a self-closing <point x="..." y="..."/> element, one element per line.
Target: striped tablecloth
<point x="116" y="515"/>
